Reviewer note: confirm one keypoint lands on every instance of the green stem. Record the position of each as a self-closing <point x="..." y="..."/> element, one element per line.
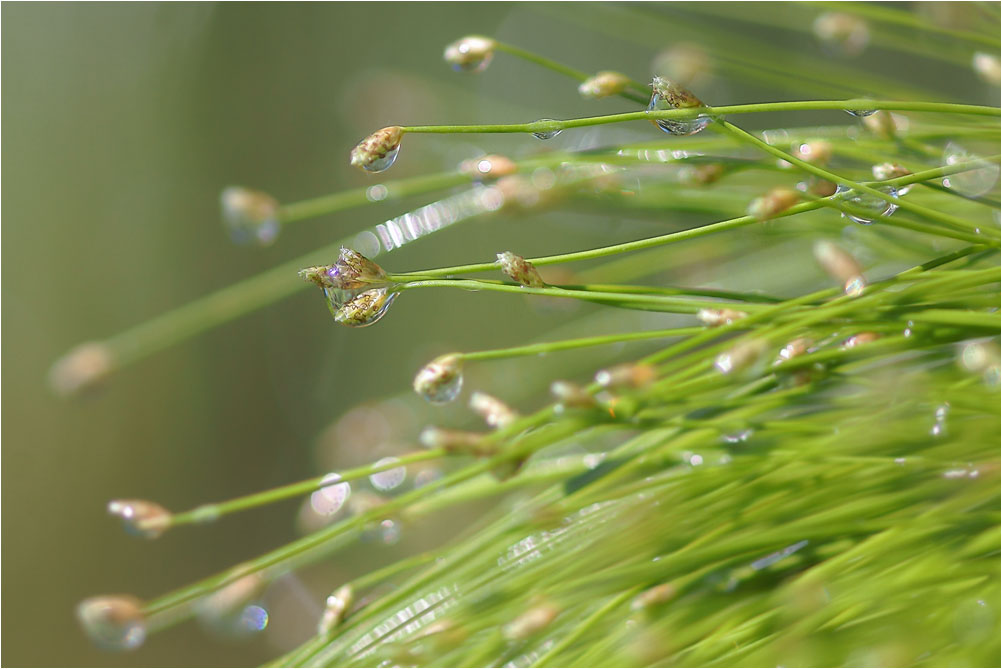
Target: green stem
<point x="570" y="344"/>
<point x="670" y="303"/>
<point x="907" y="205"/>
<point x="691" y="113"/>
<point x="211" y="512"/>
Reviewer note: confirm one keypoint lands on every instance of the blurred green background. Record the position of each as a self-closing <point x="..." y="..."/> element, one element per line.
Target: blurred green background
<point x="123" y="123"/>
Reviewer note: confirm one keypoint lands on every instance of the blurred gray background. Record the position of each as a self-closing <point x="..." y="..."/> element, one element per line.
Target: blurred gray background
<point x="122" y="124"/>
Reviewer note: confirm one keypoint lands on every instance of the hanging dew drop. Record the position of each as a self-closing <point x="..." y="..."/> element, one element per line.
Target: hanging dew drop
<point x="548" y="134"/>
<point x="870" y="203"/>
<point x="383" y="163"/>
<point x="666" y="96"/>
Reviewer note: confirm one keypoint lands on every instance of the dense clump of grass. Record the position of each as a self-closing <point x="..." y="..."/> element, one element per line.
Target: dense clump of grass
<point x="806" y="473"/>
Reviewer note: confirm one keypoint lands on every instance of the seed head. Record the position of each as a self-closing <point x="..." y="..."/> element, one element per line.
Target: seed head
<point x="659" y="594"/>
<point x="630" y="375"/>
<point x="685" y="62"/>
<point x="987" y="67"/>
<point x="453" y="441"/>
<point x="846" y="34"/>
<point x="365" y="308"/>
<point x="250" y="215"/>
<point x="377" y="152"/>
<point x="816" y="152"/>
<point x="886" y="171"/>
<point x="716" y="317"/>
<point x="230" y="600"/>
<point x="352" y="271"/>
<point x="470" y="54"/>
<point x="794" y="349"/>
<point x="494" y="412"/>
<point x="81" y="369"/>
<point x="700" y="175"/>
<point x="674" y="95"/>
<point x="603" y="84"/>
<point x="841" y="266"/>
<point x="441" y="379"/>
<point x="772" y="203"/>
<point x="140" y="517"/>
<point x="113" y="622"/>
<point x="532" y="621"/>
<point x="571" y="396"/>
<point x="337" y="607"/>
<point x="885" y="124"/>
<point x="520" y="270"/>
<point x="741" y="357"/>
<point x="860" y="339"/>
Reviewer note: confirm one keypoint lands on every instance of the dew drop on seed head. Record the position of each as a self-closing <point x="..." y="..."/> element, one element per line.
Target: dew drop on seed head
<point x="113" y="622"/>
<point x="869" y="202"/>
<point x="548" y="134"/>
<point x="389" y="479"/>
<point x="683" y="127"/>
<point x="329" y="499"/>
<point x="253" y="619"/>
<point x="250" y="217"/>
<point x="384" y="163"/>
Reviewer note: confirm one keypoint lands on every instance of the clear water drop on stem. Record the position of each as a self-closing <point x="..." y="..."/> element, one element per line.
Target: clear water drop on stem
<point x="390" y="478"/>
<point x="667" y="95"/>
<point x="868" y="203"/>
<point x="547" y="134"/>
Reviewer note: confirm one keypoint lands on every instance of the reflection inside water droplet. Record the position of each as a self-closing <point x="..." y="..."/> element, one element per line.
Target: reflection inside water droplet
<point x="870" y="203"/>
<point x="548" y="134"/>
<point x="384" y="163"/>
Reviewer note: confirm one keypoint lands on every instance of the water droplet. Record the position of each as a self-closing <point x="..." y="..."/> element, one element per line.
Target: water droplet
<point x="695" y="459"/>
<point x="389" y="479"/>
<point x="376" y="193"/>
<point x="667" y="96"/>
<point x="113" y="622"/>
<point x="855" y="286"/>
<point x="362" y="310"/>
<point x="384" y="162"/>
<point x="860" y="113"/>
<point x="738" y="437"/>
<point x="329" y="499"/>
<point x="254" y="618"/>
<point x="389" y="532"/>
<point x="870" y="203"/>
<point x="974" y="182"/>
<point x="250" y="216"/>
<point x="842" y="34"/>
<point x="939" y="428"/>
<point x="548" y="134"/>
